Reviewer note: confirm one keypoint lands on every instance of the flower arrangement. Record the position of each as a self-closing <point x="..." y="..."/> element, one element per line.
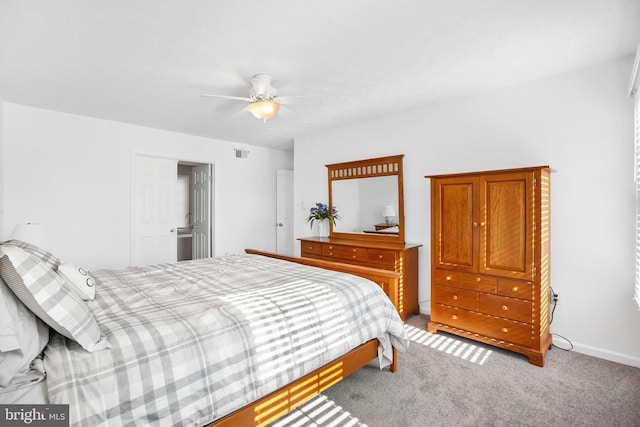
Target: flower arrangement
<point x="320" y="212"/>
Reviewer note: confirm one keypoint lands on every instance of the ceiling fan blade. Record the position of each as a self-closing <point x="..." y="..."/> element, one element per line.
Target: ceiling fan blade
<point x="299" y="100"/>
<point x="238" y="114"/>
<point x="235" y="98"/>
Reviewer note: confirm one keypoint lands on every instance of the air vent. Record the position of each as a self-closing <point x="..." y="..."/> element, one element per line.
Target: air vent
<point x="241" y="154"/>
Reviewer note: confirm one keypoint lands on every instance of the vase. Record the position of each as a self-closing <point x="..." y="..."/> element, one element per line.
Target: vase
<point x="323" y="229"/>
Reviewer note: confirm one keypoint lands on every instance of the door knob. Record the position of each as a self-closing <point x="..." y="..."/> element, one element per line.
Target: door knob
<point x="280" y="224"/>
<point x="173" y="230"/>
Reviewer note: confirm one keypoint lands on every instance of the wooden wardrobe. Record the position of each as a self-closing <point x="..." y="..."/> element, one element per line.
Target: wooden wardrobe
<point x="490" y="258"/>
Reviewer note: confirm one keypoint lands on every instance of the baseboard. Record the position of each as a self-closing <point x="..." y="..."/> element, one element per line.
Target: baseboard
<point x="612" y="356"/>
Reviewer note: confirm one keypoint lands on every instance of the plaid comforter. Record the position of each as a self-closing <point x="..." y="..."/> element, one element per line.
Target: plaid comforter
<point x="195" y="340"/>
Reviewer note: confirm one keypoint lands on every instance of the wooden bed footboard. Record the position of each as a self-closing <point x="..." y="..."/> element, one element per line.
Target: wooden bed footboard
<point x="389" y="281"/>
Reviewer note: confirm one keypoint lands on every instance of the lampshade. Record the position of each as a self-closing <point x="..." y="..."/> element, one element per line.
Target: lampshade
<point x="263" y="109"/>
<point x="31" y="233"/>
<point x="389" y="211"/>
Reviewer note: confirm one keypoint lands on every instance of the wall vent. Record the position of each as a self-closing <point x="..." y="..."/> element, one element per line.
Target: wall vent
<point x="241" y="154"/>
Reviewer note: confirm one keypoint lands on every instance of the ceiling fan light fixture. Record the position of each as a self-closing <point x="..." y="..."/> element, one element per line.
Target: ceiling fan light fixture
<point x="263" y="109"/>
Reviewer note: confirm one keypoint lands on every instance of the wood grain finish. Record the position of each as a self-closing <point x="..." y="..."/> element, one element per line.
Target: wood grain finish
<point x="490" y="247"/>
<point x="400" y="258"/>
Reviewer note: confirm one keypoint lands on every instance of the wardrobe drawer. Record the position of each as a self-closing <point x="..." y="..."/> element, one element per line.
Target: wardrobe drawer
<point x="505" y="330"/>
<point x="515" y="288"/>
<point x="347" y="253"/>
<point x="310" y="248"/>
<point x="453" y="316"/>
<point x="455" y="296"/>
<point x="446" y="277"/>
<point x="382" y="257"/>
<point x="508" y="308"/>
<point x="479" y="282"/>
<point x="481" y="324"/>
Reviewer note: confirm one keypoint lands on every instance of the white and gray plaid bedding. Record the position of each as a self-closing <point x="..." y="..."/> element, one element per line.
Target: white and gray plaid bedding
<point x="195" y="340"/>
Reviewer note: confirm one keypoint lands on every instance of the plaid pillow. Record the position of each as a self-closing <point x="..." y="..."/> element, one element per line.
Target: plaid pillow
<point x="48" y="259"/>
<point x="44" y="292"/>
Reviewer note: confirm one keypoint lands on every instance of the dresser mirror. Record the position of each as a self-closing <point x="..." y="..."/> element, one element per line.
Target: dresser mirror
<point x="368" y="197"/>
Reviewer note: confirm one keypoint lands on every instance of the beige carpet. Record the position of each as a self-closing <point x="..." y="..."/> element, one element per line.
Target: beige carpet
<point x="444" y="380"/>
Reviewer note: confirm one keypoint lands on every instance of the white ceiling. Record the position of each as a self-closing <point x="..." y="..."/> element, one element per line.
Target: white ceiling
<point x="146" y="62"/>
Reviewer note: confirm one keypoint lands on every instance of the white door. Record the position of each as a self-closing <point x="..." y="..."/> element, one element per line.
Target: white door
<point x="284" y="214"/>
<point x="202" y="178"/>
<point x="155" y="210"/>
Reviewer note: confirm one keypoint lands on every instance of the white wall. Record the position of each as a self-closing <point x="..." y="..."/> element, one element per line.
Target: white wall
<point x="73" y="175"/>
<point x="581" y="125"/>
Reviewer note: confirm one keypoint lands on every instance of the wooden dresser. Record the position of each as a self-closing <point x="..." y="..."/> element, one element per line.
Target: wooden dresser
<point x="490" y="258"/>
<point x="399" y="257"/>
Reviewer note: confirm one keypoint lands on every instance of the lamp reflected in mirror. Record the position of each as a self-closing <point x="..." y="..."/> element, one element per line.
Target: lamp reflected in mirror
<point x="389" y="214"/>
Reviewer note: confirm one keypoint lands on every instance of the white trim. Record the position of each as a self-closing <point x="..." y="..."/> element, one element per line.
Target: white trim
<point x="635" y="74"/>
<point x="600" y="353"/>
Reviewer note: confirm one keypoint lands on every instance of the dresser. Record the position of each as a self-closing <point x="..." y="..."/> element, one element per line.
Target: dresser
<point x="399" y="257"/>
<point x="490" y="258"/>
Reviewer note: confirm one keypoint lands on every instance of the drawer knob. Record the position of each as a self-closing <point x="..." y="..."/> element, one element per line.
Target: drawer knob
<point x="310" y="248"/>
<point x="379" y="256"/>
<point x="454" y="317"/>
<point x="353" y="250"/>
<point x="353" y="256"/>
<point x="330" y="247"/>
<point x="503" y="330"/>
<point x="448" y="278"/>
<point x="454" y="297"/>
<point x="504" y="308"/>
<point x="330" y="253"/>
<point x="514" y="289"/>
<point x="478" y="279"/>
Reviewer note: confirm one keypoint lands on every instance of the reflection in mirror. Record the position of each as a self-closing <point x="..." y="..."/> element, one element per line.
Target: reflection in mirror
<point x="363" y="204"/>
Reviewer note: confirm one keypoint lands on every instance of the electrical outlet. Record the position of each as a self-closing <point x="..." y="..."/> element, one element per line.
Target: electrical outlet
<point x="556" y="296"/>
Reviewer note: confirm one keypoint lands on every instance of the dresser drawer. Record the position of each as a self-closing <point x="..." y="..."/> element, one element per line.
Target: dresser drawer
<point x="310" y="248"/>
<point x="382" y="257"/>
<point x="509" y="308"/>
<point x="515" y="288"/>
<point x="489" y="326"/>
<point x="479" y="282"/>
<point x="455" y="296"/>
<point x="346" y="253"/>
<point x="446" y="277"/>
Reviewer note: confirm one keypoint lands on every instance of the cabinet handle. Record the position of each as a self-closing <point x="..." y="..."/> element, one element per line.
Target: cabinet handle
<point x="503" y="330"/>
<point x="478" y="279"/>
<point x="514" y="289"/>
<point x="454" y="317"/>
<point x="454" y="297"/>
<point x="504" y="308"/>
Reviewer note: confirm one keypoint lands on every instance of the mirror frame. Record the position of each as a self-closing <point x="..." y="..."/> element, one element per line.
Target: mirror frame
<point x="369" y="168"/>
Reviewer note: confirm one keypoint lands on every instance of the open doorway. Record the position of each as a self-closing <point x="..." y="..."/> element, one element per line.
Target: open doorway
<point x="194" y="191"/>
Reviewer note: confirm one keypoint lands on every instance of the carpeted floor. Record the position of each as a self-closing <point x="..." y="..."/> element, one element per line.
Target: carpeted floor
<point x="444" y="380"/>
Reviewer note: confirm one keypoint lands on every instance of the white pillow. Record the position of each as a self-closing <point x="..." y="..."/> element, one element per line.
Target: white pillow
<point x="79" y="279"/>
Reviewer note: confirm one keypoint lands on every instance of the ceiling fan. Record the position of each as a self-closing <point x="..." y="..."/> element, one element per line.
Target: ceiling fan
<point x="263" y="98"/>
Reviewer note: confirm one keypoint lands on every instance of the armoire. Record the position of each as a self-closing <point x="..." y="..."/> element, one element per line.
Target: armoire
<point x="490" y="258"/>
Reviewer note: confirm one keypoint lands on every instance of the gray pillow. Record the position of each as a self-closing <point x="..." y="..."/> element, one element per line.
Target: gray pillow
<point x="44" y="292"/>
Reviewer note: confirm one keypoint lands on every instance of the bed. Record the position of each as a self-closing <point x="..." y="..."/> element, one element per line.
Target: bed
<point x="236" y="340"/>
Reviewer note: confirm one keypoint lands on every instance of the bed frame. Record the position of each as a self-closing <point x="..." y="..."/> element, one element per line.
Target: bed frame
<point x="282" y="401"/>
